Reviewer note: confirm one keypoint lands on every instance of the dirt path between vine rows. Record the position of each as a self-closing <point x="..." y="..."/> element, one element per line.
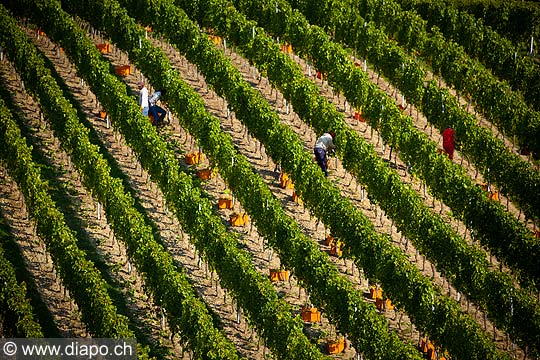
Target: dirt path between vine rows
<point x="350" y="187"/>
<point x="39" y="264"/>
<point x="88" y="220"/>
<point x="244" y="142"/>
<point x="153" y="202"/>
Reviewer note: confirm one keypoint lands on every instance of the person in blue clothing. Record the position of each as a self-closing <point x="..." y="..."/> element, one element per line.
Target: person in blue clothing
<point x="323" y="145"/>
<point x="157" y="112"/>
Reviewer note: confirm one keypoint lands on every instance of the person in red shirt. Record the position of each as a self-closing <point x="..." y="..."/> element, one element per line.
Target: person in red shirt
<point x="449" y="140"/>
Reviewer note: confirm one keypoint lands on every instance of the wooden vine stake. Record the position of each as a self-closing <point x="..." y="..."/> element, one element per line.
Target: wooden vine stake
<point x="162" y="319"/>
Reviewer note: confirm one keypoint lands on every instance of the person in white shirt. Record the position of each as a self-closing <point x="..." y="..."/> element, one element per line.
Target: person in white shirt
<point x="143" y="98"/>
<point x="324" y="144"/>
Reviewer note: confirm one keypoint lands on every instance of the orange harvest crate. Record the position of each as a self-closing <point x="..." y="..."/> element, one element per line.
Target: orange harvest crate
<point x="194" y="158"/>
<point x="286" y="48"/>
<point x="285" y="182"/>
<point x="329" y="240"/>
<point x="335" y="249"/>
<point x="384" y="305"/>
<point x="239" y="219"/>
<point x="225" y="203"/>
<point x="431" y="354"/>
<point x="204" y="174"/>
<point x="310" y="315"/>
<point x="336" y="346"/>
<point x="358" y="116"/>
<point x="104" y="48"/>
<point x="423" y="345"/>
<point x="215" y="39"/>
<point x="283" y="178"/>
<point x="123" y="70"/>
<point x="279" y="275"/>
<point x="375" y="293"/>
